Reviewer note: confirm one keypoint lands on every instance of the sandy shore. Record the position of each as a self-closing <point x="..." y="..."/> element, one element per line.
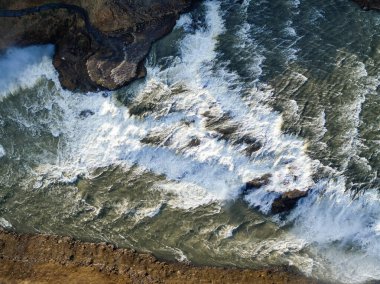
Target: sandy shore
<point x="53" y="259"/>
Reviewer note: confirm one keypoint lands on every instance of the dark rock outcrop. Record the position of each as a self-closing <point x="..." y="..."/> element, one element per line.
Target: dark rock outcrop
<point x="86" y="113"/>
<point x="100" y="44"/>
<point x="287" y="201"/>
<point x="257" y="182"/>
<point x="369" y="4"/>
<point x="284" y="202"/>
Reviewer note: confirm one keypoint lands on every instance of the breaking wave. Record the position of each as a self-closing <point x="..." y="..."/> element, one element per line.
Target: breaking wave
<point x="194" y="121"/>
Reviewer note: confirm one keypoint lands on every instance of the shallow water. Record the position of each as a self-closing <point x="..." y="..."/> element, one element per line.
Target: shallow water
<point x="237" y="91"/>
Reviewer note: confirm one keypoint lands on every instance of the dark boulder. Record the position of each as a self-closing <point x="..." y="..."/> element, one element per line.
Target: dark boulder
<point x="99" y="44"/>
<point x="195" y="142"/>
<point x="252" y="148"/>
<point x="86" y="113"/>
<point x="287" y="201"/>
<point x="253" y="145"/>
<point x="256" y="183"/>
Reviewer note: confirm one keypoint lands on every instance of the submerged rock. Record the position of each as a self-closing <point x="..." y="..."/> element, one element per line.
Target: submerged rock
<point x="86" y="113"/>
<point x="287" y="201"/>
<point x="283" y="202"/>
<point x="252" y="144"/>
<point x="258" y="182"/>
<point x="194" y="142"/>
<point x="99" y="44"/>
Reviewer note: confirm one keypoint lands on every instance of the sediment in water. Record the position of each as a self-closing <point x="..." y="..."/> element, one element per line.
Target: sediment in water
<point x="47" y="259"/>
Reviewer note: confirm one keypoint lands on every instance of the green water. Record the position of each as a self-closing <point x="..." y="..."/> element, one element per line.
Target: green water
<point x="238" y="90"/>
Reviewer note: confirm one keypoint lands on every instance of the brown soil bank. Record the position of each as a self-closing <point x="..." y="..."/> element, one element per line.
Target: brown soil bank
<point x="53" y="259"/>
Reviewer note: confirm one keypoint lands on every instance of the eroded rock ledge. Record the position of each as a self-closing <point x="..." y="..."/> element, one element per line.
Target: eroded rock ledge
<point x="100" y="44"/>
<point x="52" y="259"/>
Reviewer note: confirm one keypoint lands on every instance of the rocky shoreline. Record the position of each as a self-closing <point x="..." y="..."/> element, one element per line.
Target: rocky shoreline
<point x="99" y="45"/>
<point x="27" y="258"/>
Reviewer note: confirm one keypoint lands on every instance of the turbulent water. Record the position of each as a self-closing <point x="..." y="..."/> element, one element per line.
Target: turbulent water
<point x="239" y="90"/>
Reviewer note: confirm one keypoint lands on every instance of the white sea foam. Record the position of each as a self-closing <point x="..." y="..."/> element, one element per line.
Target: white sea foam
<point x="248" y="44"/>
<point x="2" y="151"/>
<point x="227" y="231"/>
<point x="5" y="224"/>
<point x="24" y="67"/>
<point x="290" y="33"/>
<point x="295" y="3"/>
<point x="139" y="214"/>
<point x="215" y="167"/>
<point x="345" y="231"/>
<point x="185" y="22"/>
<point x="180" y="256"/>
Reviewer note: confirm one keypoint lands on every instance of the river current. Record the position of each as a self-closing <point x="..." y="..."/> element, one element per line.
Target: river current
<point x="239" y="89"/>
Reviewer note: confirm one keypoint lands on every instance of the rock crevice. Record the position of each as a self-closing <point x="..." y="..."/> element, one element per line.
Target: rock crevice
<point x="100" y="45"/>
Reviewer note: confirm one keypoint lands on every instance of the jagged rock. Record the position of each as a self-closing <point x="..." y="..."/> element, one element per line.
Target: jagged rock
<point x="287" y="201"/>
<point x="99" y="44"/>
<point x="86" y="113"/>
<point x="194" y="142"/>
<point x="258" y="182"/>
<point x="252" y="148"/>
<point x="253" y="145"/>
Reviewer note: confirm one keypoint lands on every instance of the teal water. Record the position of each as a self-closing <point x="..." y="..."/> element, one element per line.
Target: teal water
<point x="238" y="90"/>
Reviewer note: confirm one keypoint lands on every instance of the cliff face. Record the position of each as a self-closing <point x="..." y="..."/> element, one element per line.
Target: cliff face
<point x="100" y="44"/>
